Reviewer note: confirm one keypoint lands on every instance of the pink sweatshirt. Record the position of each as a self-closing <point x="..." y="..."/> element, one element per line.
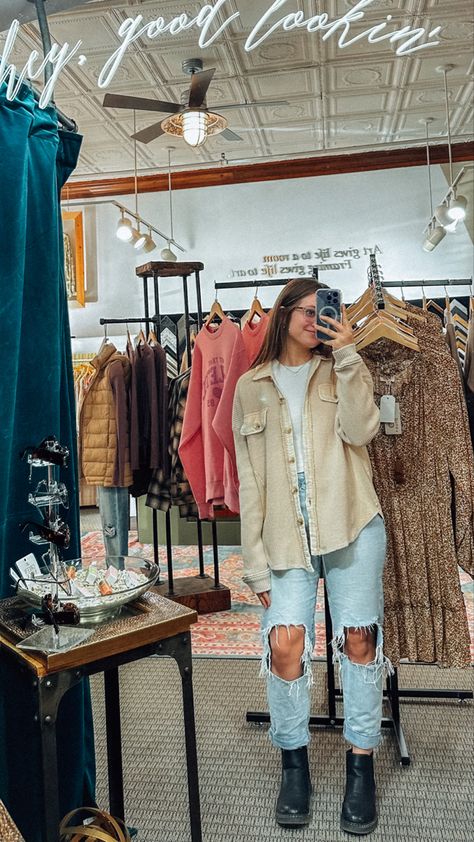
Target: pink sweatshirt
<point x="207" y="443"/>
<point x="254" y="337"/>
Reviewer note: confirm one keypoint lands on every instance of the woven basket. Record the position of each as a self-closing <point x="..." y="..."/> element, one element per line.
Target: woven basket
<point x="103" y="828"/>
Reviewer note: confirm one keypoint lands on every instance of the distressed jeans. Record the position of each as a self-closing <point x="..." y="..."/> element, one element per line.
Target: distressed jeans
<point x="114" y="514"/>
<point x="354" y="589"/>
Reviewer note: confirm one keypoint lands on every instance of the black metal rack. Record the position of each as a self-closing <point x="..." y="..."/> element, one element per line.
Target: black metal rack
<point x="206" y="594"/>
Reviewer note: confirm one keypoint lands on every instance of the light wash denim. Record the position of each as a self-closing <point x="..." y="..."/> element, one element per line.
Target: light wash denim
<point x="114" y="506"/>
<point x="354" y="587"/>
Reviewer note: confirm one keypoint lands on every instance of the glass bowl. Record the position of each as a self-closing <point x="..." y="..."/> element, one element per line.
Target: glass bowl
<point x="128" y="577"/>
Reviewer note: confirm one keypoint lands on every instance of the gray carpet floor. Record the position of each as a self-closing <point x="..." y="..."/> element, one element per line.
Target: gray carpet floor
<point x="429" y="801"/>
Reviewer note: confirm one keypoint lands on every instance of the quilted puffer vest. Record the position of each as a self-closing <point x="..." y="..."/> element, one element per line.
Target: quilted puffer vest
<point x="98" y="428"/>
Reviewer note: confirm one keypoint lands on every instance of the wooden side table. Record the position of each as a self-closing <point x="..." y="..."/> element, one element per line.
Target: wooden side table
<point x="153" y="626"/>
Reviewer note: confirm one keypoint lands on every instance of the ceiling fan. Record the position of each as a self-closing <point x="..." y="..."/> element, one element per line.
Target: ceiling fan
<point x="190" y="119"/>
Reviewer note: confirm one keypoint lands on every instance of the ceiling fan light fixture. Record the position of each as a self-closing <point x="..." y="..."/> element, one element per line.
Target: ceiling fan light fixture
<point x="194" y="125"/>
<point x="124" y="229"/>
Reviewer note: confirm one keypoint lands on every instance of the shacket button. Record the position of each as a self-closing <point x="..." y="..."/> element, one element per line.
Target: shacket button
<point x="282" y="400"/>
<point x="288" y="430"/>
<point x="300" y="521"/>
<point x="294" y="490"/>
<point x="291" y="459"/>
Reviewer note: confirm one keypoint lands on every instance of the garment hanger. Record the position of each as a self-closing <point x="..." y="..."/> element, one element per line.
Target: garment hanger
<point x="448" y="319"/>
<point x="152" y="340"/>
<point x="216" y="311"/>
<point x="256" y="309"/>
<point x="104" y="341"/>
<point x="381" y="329"/>
<point x="384" y="318"/>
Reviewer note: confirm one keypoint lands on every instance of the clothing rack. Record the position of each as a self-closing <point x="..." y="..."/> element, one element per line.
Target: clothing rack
<point x="445" y="282"/>
<point x="199" y="592"/>
<point x="265" y="282"/>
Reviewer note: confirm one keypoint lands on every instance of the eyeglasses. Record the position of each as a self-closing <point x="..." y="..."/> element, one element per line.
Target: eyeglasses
<point x="308" y="312"/>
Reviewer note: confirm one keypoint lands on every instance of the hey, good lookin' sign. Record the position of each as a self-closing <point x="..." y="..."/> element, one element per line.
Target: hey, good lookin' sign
<point x="210" y="25"/>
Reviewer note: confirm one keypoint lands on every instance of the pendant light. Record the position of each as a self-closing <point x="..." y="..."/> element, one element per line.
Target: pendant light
<point x="435" y="232"/>
<point x="453" y="207"/>
<point x="166" y="253"/>
<point x="136" y="239"/>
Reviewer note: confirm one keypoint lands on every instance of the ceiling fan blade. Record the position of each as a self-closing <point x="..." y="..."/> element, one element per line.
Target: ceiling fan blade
<point x="228" y="134"/>
<point x="149" y="134"/>
<point x="140" y="104"/>
<point x="262" y="104"/>
<point x="199" y="84"/>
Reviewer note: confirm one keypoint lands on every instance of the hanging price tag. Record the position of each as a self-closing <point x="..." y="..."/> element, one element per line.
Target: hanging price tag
<point x="395" y="429"/>
<point x="387" y="409"/>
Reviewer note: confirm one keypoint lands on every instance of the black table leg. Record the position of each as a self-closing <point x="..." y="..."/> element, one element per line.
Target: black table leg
<point x="179" y="648"/>
<point x="49" y="692"/>
<point x="114" y="742"/>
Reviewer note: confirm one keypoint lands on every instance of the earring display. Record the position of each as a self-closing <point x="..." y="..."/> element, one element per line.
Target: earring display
<point x="77" y="591"/>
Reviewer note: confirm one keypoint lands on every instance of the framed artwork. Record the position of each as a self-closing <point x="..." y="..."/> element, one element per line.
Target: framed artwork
<point x="73" y="235"/>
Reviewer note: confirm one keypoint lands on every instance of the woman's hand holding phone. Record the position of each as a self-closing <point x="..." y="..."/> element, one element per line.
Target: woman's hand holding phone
<point x="339" y="333"/>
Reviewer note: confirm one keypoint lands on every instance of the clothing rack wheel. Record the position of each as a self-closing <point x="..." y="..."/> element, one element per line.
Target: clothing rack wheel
<point x="202" y="593"/>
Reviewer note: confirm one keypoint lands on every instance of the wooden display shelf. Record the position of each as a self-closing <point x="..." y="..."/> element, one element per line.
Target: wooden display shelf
<point x="197" y="593"/>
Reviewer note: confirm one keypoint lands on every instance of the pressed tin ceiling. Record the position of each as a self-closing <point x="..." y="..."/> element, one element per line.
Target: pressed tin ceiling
<point x="360" y="97"/>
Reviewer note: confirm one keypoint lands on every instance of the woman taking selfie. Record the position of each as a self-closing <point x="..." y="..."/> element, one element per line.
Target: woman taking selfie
<point x="303" y="416"/>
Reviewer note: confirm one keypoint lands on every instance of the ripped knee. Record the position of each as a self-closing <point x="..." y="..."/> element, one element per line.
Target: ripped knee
<point x="287" y="652"/>
<point x="363" y="647"/>
<point x="360" y="644"/>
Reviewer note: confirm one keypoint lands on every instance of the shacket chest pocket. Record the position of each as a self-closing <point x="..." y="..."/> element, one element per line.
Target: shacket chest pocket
<point x="327" y="392"/>
<point x="253" y="428"/>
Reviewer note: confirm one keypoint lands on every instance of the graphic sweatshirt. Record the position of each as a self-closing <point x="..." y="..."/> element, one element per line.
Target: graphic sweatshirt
<point x="207" y="444"/>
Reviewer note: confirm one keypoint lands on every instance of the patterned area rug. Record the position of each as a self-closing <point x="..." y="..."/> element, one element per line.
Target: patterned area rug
<point x="235" y="633"/>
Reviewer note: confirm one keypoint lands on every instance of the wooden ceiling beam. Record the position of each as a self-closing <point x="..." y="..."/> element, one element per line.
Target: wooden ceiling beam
<point x="268" y="171"/>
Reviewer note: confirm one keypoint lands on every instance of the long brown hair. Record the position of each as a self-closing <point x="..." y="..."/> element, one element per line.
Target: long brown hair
<point x="289" y="298"/>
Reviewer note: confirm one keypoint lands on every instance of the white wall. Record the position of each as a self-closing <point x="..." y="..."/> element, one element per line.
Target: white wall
<point x="233" y="228"/>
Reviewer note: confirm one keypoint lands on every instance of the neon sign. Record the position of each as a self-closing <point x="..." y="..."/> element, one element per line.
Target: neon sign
<point x="408" y="39"/>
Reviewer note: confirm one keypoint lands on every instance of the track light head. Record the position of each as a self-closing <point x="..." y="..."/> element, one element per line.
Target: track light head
<point x="457" y="208"/>
<point x="124" y="229"/>
<point x="168" y="255"/>
<point x="442" y="214"/>
<point x="436" y="233"/>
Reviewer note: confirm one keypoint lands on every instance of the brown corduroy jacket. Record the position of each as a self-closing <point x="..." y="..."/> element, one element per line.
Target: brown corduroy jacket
<point x="104" y="445"/>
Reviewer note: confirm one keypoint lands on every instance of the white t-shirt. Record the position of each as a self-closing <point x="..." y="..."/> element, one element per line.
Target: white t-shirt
<point x="292" y="381"/>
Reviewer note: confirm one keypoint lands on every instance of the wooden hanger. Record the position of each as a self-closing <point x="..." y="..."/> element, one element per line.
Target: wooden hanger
<point x="381" y="329"/>
<point x="256" y="309"/>
<point x="216" y="311"/>
<point x="152" y="340"/>
<point x="140" y="339"/>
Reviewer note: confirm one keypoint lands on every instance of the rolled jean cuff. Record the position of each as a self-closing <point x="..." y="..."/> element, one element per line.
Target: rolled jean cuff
<point x="361" y="740"/>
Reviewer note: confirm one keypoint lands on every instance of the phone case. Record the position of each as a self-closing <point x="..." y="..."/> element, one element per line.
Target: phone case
<point x="328" y="303"/>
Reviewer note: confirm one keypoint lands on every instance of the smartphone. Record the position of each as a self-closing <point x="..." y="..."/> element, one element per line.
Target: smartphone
<point x="328" y="303"/>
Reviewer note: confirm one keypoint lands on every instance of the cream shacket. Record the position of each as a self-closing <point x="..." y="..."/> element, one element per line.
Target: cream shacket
<point x="340" y="418"/>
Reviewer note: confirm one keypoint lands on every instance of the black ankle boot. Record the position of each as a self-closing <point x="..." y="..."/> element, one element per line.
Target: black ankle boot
<point x="359" y="812"/>
<point x="294" y="801"/>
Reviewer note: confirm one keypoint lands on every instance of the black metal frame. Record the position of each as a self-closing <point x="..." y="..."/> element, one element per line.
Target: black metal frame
<point x="48" y="692"/>
<point x="157" y="320"/>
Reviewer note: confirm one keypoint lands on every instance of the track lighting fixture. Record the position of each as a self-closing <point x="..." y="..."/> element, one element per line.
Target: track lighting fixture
<point x="124" y="229"/>
<point x="435" y="234"/>
<point x="168" y="255"/>
<point x="452" y="209"/>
